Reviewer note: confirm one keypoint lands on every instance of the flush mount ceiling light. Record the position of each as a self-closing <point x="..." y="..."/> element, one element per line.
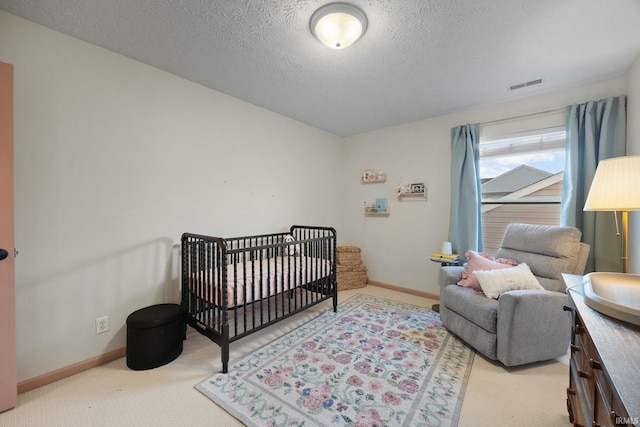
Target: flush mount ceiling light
<point x="338" y="25"/>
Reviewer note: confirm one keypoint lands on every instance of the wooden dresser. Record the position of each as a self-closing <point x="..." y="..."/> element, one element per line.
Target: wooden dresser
<point x="604" y="379"/>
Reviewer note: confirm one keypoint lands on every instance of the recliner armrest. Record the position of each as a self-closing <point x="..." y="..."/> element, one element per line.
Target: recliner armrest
<point x="449" y="275"/>
<point x="532" y="326"/>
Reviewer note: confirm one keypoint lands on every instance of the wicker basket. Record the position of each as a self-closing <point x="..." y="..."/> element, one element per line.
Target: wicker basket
<point x="351" y="276"/>
<point x="349" y="255"/>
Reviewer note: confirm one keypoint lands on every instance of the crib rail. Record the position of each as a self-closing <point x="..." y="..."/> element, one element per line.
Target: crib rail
<point x="235" y="286"/>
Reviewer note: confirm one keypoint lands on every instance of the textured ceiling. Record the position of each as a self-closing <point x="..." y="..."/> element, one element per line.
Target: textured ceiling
<point x="418" y="58"/>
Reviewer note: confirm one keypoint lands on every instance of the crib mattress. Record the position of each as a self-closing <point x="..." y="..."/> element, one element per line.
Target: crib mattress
<point x="252" y="281"/>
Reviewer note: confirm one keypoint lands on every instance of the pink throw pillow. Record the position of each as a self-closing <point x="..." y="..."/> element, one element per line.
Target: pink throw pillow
<point x="480" y="261"/>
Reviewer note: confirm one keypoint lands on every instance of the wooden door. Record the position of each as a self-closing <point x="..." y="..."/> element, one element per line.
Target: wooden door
<point x="8" y="370"/>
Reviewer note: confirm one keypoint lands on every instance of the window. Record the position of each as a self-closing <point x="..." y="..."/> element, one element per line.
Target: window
<point x="521" y="173"/>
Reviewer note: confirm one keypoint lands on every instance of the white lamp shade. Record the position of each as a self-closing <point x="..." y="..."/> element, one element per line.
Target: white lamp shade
<point x="338" y="25"/>
<point x="615" y="186"/>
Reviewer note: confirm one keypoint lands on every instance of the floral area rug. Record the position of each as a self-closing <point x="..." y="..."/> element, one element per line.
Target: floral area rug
<point x="374" y="363"/>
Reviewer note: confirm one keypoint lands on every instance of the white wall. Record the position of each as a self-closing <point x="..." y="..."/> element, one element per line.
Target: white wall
<point x="396" y="248"/>
<point x="633" y="147"/>
<point x="114" y="160"/>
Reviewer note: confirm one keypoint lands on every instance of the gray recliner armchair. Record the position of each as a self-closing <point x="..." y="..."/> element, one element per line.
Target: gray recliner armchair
<point x="521" y="326"/>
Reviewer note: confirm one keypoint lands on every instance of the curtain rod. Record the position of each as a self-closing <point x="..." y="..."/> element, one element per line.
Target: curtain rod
<point x="523" y="116"/>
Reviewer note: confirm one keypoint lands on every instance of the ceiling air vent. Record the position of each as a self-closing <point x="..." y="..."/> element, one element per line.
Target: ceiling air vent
<point x="526" y="84"/>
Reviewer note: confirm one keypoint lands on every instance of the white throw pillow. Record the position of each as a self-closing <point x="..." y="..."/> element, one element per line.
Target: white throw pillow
<point x="495" y="282"/>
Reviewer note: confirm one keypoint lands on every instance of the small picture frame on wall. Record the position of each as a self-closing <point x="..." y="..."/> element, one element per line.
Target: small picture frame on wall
<point x="381" y="205"/>
<point x="418" y="187"/>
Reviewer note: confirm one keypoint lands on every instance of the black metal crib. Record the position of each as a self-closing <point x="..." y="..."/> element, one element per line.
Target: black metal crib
<point x="232" y="287"/>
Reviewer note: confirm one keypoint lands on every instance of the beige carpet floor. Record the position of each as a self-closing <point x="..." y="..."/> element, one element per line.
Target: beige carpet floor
<point x="113" y="395"/>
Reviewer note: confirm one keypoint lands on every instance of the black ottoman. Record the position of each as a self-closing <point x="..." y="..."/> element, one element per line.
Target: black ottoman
<point x="154" y="336"/>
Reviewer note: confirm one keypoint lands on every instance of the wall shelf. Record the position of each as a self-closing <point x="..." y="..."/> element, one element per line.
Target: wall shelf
<point x="373" y="181"/>
<point x="371" y="177"/>
<point x="369" y="212"/>
<point x="415" y="190"/>
<point x="411" y="195"/>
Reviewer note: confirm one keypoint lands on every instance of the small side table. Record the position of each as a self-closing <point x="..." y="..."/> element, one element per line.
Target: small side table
<point x="444" y="263"/>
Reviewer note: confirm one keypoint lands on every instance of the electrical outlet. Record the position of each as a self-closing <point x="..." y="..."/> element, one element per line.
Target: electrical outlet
<point x="102" y="324"/>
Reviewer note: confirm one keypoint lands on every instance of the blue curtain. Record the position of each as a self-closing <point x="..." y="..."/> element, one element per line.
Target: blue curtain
<point x="596" y="130"/>
<point x="465" y="224"/>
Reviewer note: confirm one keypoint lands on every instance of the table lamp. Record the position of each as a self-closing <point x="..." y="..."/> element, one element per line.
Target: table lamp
<point x="616" y="187"/>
